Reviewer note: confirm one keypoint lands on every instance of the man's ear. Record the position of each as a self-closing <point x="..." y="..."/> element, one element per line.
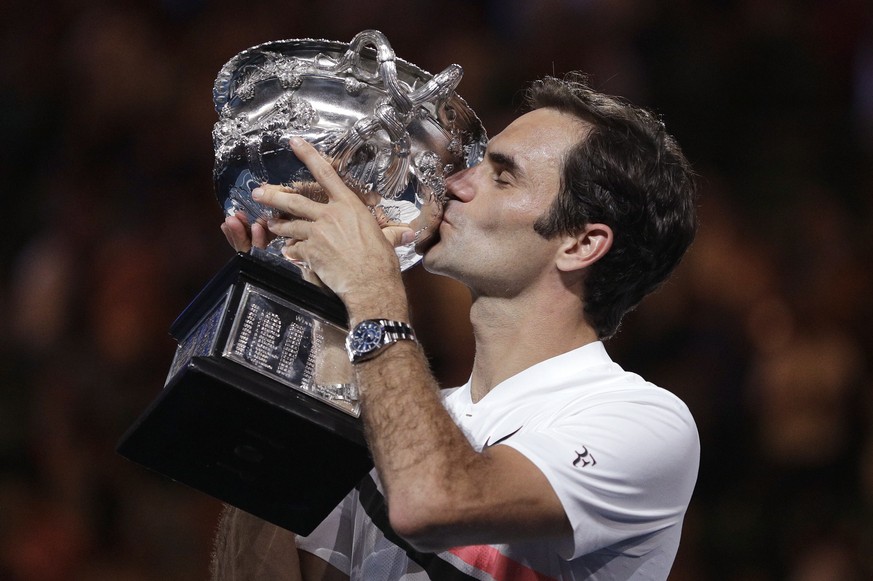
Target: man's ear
<point x="584" y="248"/>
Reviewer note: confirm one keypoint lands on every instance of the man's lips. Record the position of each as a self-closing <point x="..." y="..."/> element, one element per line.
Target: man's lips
<point x="435" y="234"/>
<point x="448" y="215"/>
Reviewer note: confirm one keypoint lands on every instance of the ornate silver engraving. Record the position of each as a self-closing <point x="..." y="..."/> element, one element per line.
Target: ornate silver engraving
<point x="431" y="173"/>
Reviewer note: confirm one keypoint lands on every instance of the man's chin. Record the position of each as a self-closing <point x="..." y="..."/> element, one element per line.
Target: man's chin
<point x="430" y="255"/>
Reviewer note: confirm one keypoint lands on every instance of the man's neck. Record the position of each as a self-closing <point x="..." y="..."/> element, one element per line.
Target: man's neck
<point x="513" y="334"/>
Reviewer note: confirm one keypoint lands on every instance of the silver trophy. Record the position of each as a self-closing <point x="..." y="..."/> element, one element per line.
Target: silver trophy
<point x="260" y="408"/>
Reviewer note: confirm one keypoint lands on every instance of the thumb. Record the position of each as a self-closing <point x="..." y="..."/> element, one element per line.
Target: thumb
<point x="398" y="235"/>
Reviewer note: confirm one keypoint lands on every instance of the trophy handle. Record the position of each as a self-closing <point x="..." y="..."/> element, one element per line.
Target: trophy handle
<point x="404" y="101"/>
<point x="392" y="115"/>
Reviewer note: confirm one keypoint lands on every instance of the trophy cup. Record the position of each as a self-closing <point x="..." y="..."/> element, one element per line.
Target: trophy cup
<point x="259" y="408"/>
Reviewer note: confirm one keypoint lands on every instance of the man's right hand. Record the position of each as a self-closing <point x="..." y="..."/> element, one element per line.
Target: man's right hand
<point x="242" y="237"/>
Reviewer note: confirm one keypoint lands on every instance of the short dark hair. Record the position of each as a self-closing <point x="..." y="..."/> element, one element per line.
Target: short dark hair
<point x="626" y="172"/>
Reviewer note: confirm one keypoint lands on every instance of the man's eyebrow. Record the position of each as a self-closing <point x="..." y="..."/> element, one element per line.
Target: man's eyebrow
<point x="506" y="162"/>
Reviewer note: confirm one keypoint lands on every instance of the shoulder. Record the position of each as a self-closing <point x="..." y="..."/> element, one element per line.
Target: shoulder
<point x="633" y="424"/>
<point x="587" y="381"/>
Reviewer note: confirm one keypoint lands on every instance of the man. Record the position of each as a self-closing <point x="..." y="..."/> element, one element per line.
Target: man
<point x="551" y="462"/>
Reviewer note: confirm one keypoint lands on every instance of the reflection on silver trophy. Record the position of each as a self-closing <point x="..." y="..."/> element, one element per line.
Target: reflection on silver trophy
<point x="260" y="405"/>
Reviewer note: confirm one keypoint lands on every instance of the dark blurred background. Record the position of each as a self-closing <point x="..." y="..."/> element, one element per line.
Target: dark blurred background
<point x="109" y="227"/>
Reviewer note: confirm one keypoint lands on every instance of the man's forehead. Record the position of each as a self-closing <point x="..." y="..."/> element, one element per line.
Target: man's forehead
<point x="540" y="134"/>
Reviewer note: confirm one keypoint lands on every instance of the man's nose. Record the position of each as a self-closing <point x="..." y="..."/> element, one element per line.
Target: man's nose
<point x="459" y="185"/>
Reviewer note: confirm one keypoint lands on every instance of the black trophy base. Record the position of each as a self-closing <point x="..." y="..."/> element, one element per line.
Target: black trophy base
<point x="238" y="434"/>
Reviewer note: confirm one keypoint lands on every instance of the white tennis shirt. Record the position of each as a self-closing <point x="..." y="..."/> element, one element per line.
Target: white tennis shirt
<point x="622" y="455"/>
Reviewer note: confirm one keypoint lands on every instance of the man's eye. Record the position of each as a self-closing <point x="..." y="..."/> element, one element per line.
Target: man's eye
<point x="502" y="179"/>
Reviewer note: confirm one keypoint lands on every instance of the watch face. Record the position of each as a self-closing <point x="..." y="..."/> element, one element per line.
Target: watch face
<point x="367" y="336"/>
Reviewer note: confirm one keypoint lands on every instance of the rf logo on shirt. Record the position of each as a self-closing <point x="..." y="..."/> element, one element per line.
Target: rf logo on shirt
<point x="584" y="458"/>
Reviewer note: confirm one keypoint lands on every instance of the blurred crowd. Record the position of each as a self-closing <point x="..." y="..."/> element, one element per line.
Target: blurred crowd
<point x="111" y="226"/>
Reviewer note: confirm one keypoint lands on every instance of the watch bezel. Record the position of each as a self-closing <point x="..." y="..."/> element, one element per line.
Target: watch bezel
<point x="367" y="336"/>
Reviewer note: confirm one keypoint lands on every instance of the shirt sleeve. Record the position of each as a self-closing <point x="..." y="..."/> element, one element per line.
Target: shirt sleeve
<point x="622" y="469"/>
<point x="332" y="539"/>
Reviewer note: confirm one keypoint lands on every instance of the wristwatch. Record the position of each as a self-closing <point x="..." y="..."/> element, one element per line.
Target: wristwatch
<point x="371" y="337"/>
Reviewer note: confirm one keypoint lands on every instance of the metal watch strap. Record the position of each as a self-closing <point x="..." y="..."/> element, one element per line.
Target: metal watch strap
<point x="397" y="330"/>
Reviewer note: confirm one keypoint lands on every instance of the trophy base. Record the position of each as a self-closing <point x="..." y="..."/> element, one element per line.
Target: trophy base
<point x="258" y="440"/>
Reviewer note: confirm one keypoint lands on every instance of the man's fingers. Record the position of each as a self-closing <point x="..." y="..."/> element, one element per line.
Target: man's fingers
<point x="292" y="251"/>
<point x="321" y="170"/>
<point x="260" y="235"/>
<point x="398" y="235"/>
<point x="296" y="229"/>
<point x="236" y="233"/>
<point x="288" y="201"/>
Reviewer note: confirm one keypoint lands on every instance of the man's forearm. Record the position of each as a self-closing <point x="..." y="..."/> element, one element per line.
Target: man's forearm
<point x="422" y="457"/>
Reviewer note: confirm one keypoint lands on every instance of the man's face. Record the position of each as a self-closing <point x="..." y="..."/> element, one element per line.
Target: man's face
<point x="486" y="239"/>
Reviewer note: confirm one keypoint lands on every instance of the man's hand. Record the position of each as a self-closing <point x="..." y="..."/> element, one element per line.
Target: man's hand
<point x="341" y="239"/>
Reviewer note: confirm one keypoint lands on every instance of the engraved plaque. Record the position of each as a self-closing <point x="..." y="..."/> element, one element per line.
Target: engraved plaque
<point x="291" y="345"/>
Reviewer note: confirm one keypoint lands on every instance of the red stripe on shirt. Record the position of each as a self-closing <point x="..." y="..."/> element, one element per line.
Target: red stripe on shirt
<point x="488" y="559"/>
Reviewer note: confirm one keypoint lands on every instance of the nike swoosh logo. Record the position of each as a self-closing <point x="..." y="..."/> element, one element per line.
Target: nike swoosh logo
<point x="488" y="443"/>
